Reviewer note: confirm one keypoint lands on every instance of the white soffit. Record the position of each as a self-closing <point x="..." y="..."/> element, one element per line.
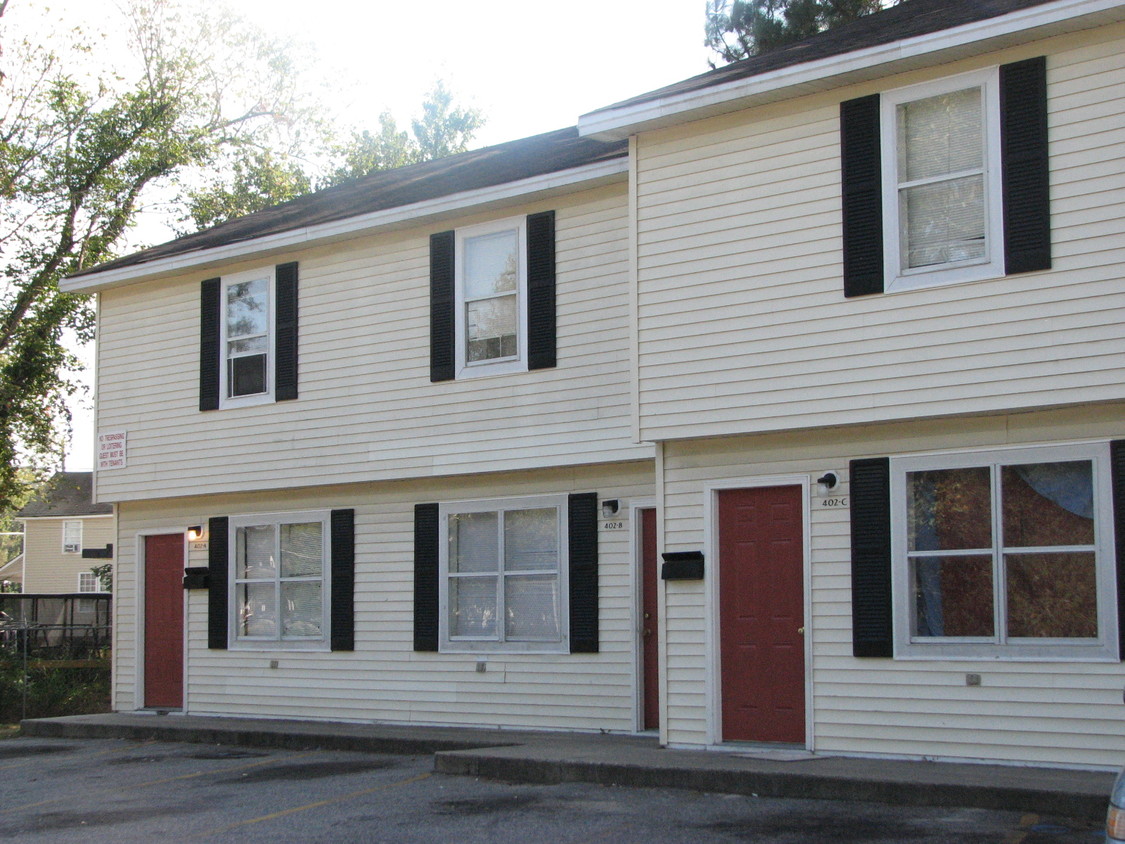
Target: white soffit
<point x="562" y="181"/>
<point x="848" y="68"/>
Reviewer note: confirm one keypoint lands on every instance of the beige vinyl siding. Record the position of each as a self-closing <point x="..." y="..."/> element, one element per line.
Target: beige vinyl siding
<point x="743" y="325"/>
<point x="46" y="568"/>
<point x="367" y="409"/>
<point x="384" y="679"/>
<point x="1050" y="712"/>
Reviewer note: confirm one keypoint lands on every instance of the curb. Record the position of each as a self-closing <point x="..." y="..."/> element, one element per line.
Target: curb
<point x="805" y="786"/>
<point x="294" y="739"/>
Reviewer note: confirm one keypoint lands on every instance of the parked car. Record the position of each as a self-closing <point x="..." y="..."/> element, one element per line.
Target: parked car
<point x="1115" y="817"/>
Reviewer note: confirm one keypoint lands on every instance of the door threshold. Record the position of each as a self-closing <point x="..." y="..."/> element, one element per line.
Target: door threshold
<point x="768" y="752"/>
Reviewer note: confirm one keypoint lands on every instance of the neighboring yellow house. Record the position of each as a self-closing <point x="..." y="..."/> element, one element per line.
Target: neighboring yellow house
<point x="65" y="536"/>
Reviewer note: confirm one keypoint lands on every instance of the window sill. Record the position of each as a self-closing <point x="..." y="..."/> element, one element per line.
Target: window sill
<point x="943" y="278"/>
<point x="505" y="649"/>
<point x="1095" y="653"/>
<point x="319" y="646"/>
<point x="246" y="401"/>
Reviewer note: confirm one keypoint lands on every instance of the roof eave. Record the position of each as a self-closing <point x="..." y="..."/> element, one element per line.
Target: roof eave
<point x="959" y="42"/>
<point x="561" y="181"/>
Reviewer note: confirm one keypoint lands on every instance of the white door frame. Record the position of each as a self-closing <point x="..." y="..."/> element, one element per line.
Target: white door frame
<point x="139" y="601"/>
<point x="711" y="543"/>
<point x="636" y="585"/>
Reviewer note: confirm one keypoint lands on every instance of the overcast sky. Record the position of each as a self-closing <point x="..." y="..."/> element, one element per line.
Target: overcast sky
<point x="530" y="67"/>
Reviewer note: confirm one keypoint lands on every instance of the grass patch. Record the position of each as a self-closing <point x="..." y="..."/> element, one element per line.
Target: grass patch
<point x="52" y="688"/>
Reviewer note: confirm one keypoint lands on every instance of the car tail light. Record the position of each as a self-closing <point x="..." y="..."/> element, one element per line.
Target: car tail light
<point x="1115" y="822"/>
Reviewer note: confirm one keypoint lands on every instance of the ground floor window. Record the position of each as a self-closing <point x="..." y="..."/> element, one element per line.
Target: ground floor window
<point x="280" y="579"/>
<point x="1005" y="553"/>
<point x="503" y="576"/>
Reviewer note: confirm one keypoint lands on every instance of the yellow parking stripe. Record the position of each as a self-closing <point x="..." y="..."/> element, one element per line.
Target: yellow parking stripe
<point x="316" y="805"/>
<point x="1016" y="836"/>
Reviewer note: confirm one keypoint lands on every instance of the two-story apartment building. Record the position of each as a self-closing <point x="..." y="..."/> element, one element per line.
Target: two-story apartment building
<point x="837" y="329"/>
<point x="65" y="535"/>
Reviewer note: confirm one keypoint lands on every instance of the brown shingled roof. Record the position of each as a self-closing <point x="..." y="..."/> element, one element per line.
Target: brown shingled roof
<point x="496" y="165"/>
<point x="906" y="20"/>
<point x="66" y="494"/>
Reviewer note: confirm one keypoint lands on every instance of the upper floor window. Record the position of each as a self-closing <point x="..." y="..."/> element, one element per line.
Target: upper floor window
<point x="248" y="338"/>
<point x="491" y="277"/>
<point x="280" y="579"/>
<point x="492" y="298"/>
<point x="941" y="181"/>
<point x="247" y="342"/>
<point x="946" y="181"/>
<point x="1004" y="553"/>
<point x="72" y="536"/>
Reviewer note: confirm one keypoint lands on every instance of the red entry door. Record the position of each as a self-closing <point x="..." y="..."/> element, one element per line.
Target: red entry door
<point x="649" y="613"/>
<point x="761" y="615"/>
<point x="164" y="621"/>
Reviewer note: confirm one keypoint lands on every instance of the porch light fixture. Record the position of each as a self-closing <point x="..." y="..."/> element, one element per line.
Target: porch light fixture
<point x="195" y="533"/>
<point x="610" y="507"/>
<point x="828" y="480"/>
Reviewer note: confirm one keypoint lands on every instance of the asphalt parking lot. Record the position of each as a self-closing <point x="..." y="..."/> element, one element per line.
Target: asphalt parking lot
<point x="61" y="790"/>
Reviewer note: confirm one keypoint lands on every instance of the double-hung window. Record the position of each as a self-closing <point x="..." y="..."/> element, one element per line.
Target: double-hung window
<point x="72" y="536"/>
<point x="280" y="579"/>
<point x="946" y="181"/>
<point x="1004" y="554"/>
<point x="247" y="337"/>
<point x="503" y="575"/>
<point x="491" y="280"/>
<point x="492" y="298"/>
<point x="941" y="184"/>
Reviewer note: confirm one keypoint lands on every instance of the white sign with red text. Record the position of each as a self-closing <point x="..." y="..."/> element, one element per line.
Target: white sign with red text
<point x="111" y="450"/>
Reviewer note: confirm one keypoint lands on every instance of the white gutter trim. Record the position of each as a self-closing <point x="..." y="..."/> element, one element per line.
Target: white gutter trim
<point x="83" y="516"/>
<point x="619" y="123"/>
<point x="17" y="559"/>
<point x="348" y="226"/>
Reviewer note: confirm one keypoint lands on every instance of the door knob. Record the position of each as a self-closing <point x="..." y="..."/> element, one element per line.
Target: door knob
<point x="800" y="631"/>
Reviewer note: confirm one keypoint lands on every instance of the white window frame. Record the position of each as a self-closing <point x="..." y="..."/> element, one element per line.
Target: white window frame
<point x="276" y="642"/>
<point x="992" y="264"/>
<point x="225" y="400"/>
<point x="85" y="577"/>
<point x="465" y="368"/>
<point x="1102" y="649"/>
<point x="465" y="644"/>
<point x="69" y="546"/>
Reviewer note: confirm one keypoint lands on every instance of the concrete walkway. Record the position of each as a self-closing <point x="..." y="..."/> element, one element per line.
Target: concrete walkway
<point x="536" y="757"/>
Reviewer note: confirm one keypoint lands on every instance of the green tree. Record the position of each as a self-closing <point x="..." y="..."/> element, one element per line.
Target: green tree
<point x="738" y="29"/>
<point x="257" y="181"/>
<point x="79" y="154"/>
<point x="442" y="129"/>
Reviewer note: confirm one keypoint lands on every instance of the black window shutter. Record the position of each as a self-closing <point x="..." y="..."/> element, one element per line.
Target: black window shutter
<point x="285" y="341"/>
<point x="342" y="600"/>
<point x="209" y="360"/>
<point x="217" y="567"/>
<point x="871" y="557"/>
<point x="442" y="307"/>
<point x="1023" y="150"/>
<point x="426" y="543"/>
<point x="1117" y="473"/>
<point x="541" y="290"/>
<point x="862" y="196"/>
<point x="583" y="538"/>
